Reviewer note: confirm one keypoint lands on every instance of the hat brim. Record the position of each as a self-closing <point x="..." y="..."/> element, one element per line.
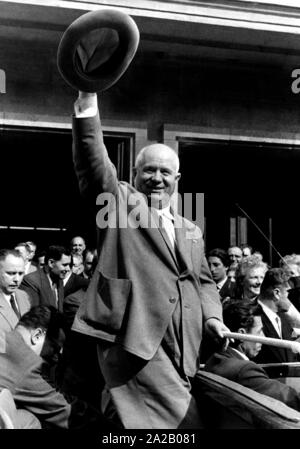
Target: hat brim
<point x="114" y="63"/>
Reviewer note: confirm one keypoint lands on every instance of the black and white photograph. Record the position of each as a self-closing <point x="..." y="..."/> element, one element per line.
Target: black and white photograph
<point x="149" y="248"/>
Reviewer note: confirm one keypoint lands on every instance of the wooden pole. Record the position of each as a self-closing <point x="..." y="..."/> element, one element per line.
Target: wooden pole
<point x="292" y="345"/>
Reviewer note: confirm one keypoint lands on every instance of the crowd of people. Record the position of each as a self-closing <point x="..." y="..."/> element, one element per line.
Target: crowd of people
<point x="57" y="380"/>
<point x="41" y="363"/>
<point x="114" y="336"/>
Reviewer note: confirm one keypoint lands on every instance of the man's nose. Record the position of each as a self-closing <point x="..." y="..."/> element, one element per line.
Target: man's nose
<point x="17" y="278"/>
<point x="157" y="176"/>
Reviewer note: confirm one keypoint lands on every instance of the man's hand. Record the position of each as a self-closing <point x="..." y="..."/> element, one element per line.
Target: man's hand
<point x="215" y="329"/>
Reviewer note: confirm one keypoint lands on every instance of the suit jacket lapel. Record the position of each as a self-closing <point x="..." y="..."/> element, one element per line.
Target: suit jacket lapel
<point x="19" y="297"/>
<point x="268" y="326"/>
<point x="46" y="287"/>
<point x="160" y="236"/>
<point x="149" y="222"/>
<point x="231" y="353"/>
<point x="271" y="332"/>
<point x="60" y="295"/>
<point x="184" y="244"/>
<point x="7" y="312"/>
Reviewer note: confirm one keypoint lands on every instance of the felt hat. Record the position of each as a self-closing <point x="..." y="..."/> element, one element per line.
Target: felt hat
<point x="96" y="49"/>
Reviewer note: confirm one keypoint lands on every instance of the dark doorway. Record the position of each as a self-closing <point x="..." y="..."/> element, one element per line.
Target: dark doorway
<point x="235" y="176"/>
<point x="39" y="188"/>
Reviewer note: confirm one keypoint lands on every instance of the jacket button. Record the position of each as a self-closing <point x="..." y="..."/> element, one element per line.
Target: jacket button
<point x="172" y="300"/>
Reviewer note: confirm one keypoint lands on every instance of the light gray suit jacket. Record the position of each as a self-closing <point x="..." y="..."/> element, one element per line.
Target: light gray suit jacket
<point x="8" y="318"/>
<point x="139" y="279"/>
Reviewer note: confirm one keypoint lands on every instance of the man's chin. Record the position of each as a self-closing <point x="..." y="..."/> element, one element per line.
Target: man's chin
<point x="158" y="200"/>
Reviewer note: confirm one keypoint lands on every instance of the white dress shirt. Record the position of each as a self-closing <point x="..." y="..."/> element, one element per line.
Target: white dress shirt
<point x="167" y="223"/>
<point x="87" y="107"/>
<point x="65" y="280"/>
<point x="221" y="283"/>
<point x="8" y="297"/>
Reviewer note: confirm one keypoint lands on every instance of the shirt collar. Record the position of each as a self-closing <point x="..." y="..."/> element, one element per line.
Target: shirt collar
<point x="273" y="316"/>
<point x="240" y="353"/>
<point x="65" y="280"/>
<point x="52" y="283"/>
<point x="221" y="283"/>
<point x="166" y="212"/>
<point x="7" y="297"/>
<point x="270" y="314"/>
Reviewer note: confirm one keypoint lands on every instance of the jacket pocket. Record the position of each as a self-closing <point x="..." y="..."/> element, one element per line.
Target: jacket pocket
<point x="106" y="306"/>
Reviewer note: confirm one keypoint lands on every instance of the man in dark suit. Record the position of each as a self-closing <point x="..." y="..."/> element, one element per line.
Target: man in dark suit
<point x="13" y="301"/>
<point x="274" y="301"/>
<point x="74" y="282"/>
<point x="218" y="262"/>
<point x="39" y="336"/>
<point x="45" y="286"/>
<point x="235" y="363"/>
<point x="152" y="288"/>
<point x="21" y="368"/>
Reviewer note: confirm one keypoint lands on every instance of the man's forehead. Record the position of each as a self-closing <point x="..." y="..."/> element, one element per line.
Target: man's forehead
<point x="78" y="241"/>
<point x="214" y="259"/>
<point x="235" y="250"/>
<point x="64" y="259"/>
<point x="159" y="156"/>
<point x="11" y="260"/>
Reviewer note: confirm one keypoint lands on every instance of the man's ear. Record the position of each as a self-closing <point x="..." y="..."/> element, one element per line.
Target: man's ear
<point x="134" y="173"/>
<point x="178" y="176"/>
<point x="50" y="263"/>
<point x="241" y="330"/>
<point x="37" y="335"/>
<point x="276" y="293"/>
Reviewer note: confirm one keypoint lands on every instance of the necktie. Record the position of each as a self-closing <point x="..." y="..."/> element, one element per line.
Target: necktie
<point x="167" y="224"/>
<point x="14" y="306"/>
<point x="55" y="292"/>
<point x="277" y="319"/>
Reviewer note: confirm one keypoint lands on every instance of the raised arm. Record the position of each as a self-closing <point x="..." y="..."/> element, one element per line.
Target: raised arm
<point x="94" y="170"/>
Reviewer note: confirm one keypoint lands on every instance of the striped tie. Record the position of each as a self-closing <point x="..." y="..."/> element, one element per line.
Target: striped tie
<point x="14" y="306"/>
<point x="278" y="321"/>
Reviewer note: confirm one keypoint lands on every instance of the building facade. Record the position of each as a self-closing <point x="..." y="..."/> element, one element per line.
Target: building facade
<point x="217" y="81"/>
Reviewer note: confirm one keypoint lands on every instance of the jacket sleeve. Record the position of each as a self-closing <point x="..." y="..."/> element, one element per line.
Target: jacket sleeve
<point x="38" y="397"/>
<point x="254" y="377"/>
<point x="32" y="289"/>
<point x="94" y="169"/>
